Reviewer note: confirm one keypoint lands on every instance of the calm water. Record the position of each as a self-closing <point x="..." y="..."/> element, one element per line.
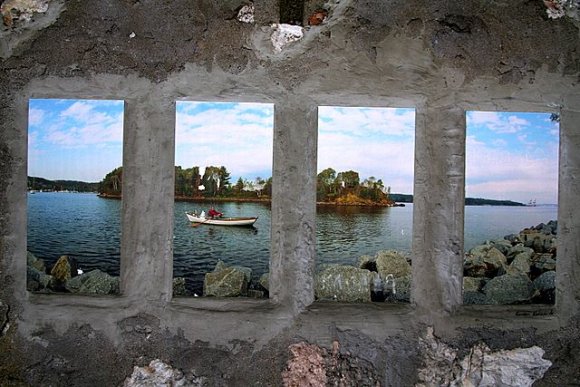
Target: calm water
<point x="88" y="228"/>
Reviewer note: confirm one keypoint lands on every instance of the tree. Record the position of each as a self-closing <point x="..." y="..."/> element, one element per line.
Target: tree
<point x="112" y="183"/>
<point x="349" y="179"/>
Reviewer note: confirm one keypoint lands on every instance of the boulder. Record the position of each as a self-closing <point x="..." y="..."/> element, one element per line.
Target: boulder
<point x="226" y="281"/>
<point x="520" y="264"/>
<point x="474" y="298"/>
<point x="36" y="280"/>
<point x="538" y="240"/>
<point x="64" y="269"/>
<point x="502" y="245"/>
<point x="265" y="281"/>
<point x="544" y="262"/>
<point x="403" y="289"/>
<point x="392" y="262"/>
<point x="484" y="261"/>
<point x="367" y="262"/>
<point x="344" y="283"/>
<point x="546" y="286"/>
<point x="509" y="289"/>
<point x="517" y="249"/>
<point x="93" y="282"/>
<point x="473" y="284"/>
<point x="179" y="287"/>
<point x="34" y="262"/>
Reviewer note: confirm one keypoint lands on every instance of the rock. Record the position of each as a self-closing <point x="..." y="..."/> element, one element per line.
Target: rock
<point x="34" y="262"/>
<point x="226" y="281"/>
<point x="502" y="245"/>
<point x="392" y="262"/>
<point x="546" y="286"/>
<point x="517" y="249"/>
<point x="484" y="261"/>
<point x="344" y="283"/>
<point x="306" y="366"/>
<point x="93" y="282"/>
<point x="473" y="284"/>
<point x="283" y="34"/>
<point x="538" y="240"/>
<point x="253" y="293"/>
<point x="265" y="281"/>
<point x="474" y="298"/>
<point x="247" y="272"/>
<point x="64" y="269"/>
<point x="367" y="262"/>
<point x="509" y="289"/>
<point x="482" y="367"/>
<point x="179" y="287"/>
<point x="544" y="263"/>
<point x="36" y="280"/>
<point x="403" y="289"/>
<point x="520" y="264"/>
<point x="158" y="374"/>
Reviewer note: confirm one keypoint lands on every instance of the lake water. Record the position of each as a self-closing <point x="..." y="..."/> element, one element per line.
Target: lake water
<point x="88" y="228"/>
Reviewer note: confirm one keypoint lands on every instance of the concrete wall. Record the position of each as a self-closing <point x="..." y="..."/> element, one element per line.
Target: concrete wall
<point x="439" y="57"/>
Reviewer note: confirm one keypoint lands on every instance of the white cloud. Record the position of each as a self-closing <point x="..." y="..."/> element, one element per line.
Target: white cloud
<point x="496" y="121"/>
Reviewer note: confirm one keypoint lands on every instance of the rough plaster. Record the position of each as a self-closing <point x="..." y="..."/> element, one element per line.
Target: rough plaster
<point x="439" y="57"/>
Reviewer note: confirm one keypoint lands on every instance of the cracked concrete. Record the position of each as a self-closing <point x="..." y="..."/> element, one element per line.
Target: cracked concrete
<point x="440" y="57"/>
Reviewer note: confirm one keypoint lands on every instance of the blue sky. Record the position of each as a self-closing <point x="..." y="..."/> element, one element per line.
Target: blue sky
<point x="74" y="139"/>
<point x="377" y="142"/>
<point x="509" y="155"/>
<point x="238" y="136"/>
<point x="512" y="156"/>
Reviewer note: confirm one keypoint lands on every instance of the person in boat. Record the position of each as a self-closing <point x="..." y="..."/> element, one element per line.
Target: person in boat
<point x="213" y="213"/>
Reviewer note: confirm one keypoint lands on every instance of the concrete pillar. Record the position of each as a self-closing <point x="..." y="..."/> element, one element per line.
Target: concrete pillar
<point x="294" y="203"/>
<point x="438" y="209"/>
<point x="568" y="266"/>
<point x="148" y="181"/>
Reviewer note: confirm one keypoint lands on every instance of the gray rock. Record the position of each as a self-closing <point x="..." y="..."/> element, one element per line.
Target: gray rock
<point x="344" y="283"/>
<point x="484" y="261"/>
<point x="403" y="289"/>
<point x="509" y="289"/>
<point x="539" y="241"/>
<point x="546" y="281"/>
<point x="225" y="281"/>
<point x="545" y="262"/>
<point x="442" y="365"/>
<point x="546" y="286"/>
<point x="392" y="262"/>
<point x="265" y="281"/>
<point x="502" y="245"/>
<point x="520" y="264"/>
<point x="179" y="287"/>
<point x="34" y="262"/>
<point x="158" y="374"/>
<point x="474" y="298"/>
<point x="93" y="282"/>
<point x="517" y="249"/>
<point x="366" y="262"/>
<point x="473" y="284"/>
<point x="37" y="280"/>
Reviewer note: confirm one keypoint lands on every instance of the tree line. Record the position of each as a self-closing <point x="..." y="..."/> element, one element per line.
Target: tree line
<point x="189" y="183"/>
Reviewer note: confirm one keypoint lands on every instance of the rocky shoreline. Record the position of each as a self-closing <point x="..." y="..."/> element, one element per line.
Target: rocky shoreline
<point x="517" y="269"/>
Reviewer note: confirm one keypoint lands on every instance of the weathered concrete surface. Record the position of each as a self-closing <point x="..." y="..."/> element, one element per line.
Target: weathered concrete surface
<point x="440" y="57"/>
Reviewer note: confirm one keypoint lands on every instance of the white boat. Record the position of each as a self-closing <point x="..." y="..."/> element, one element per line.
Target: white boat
<point x="221" y="221"/>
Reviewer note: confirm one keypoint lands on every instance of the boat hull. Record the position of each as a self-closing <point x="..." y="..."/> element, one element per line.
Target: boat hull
<point x="241" y="221"/>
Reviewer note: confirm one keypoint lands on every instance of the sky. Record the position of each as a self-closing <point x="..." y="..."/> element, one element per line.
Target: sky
<point x="377" y="142"/>
<point x="509" y="155"/>
<point x="238" y="136"/>
<point x="74" y="139"/>
<point x="512" y="156"/>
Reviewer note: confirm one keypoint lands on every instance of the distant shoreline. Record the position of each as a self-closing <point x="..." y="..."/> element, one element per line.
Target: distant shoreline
<point x="477" y="202"/>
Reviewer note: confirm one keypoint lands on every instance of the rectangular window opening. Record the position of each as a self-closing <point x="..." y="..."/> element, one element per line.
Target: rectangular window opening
<point x="75" y="149"/>
<point x="223" y="186"/>
<point x="364" y="204"/>
<point x="511" y="208"/>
